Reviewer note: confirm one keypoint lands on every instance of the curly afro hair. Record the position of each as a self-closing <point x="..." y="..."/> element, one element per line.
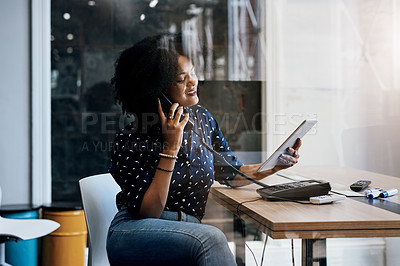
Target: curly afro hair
<point x="143" y="71"/>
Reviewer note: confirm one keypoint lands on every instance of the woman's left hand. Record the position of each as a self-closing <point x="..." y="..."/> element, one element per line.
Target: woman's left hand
<point x="284" y="161"/>
<point x="288" y="160"/>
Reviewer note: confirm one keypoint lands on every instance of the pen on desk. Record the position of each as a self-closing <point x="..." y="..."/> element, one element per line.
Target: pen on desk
<point x="388" y="193"/>
<point x="373" y="193"/>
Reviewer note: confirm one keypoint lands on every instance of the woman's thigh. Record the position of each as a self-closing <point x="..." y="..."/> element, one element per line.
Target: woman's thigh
<point x="164" y="242"/>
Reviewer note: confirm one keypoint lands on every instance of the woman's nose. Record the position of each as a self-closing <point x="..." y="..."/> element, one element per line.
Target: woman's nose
<point x="193" y="79"/>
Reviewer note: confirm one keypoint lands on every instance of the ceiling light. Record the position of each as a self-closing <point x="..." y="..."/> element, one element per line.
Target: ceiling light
<point x="67" y="16"/>
<point x="70" y="36"/>
<point x="91" y="3"/>
<point x="153" y="3"/>
<point x="142" y="17"/>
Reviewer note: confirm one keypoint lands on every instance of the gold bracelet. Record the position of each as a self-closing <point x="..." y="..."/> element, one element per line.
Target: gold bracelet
<point x="165" y="170"/>
<point x="168" y="156"/>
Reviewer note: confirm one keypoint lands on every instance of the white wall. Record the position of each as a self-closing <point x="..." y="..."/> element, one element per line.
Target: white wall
<point x="15" y="101"/>
<point x="339" y="61"/>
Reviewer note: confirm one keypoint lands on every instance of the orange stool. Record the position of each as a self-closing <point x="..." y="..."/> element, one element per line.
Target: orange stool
<point x="65" y="246"/>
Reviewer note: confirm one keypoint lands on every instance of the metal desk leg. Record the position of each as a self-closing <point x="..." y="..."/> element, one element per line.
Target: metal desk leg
<point x="313" y="252"/>
<point x="239" y="228"/>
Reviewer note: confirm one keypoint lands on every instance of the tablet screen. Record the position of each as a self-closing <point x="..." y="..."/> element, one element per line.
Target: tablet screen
<point x="299" y="132"/>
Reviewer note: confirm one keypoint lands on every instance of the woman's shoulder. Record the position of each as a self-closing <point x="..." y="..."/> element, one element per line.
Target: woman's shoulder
<point x="200" y="111"/>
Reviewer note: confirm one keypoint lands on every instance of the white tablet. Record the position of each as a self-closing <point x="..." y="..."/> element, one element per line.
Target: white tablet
<point x="300" y="131"/>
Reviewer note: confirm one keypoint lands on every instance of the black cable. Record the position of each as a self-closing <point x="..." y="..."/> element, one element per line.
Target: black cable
<point x="241" y="173"/>
<point x="227" y="163"/>
<point x="292" y="252"/>
<point x="262" y="255"/>
<point x="243" y="228"/>
<point x="254" y="257"/>
<point x="291" y="200"/>
<point x="243" y="202"/>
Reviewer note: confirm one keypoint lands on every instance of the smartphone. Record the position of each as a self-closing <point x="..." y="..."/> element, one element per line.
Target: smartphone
<point x="166" y="106"/>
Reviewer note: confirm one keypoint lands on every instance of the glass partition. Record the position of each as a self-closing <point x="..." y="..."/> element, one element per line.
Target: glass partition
<point x="223" y="38"/>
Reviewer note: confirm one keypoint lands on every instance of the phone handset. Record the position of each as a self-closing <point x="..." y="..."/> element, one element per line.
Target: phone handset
<point x="166" y="106"/>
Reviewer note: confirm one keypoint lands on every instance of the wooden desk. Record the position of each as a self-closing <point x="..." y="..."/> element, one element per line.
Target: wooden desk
<point x="315" y="223"/>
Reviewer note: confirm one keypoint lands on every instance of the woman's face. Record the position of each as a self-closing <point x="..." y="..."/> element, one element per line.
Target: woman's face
<point x="184" y="91"/>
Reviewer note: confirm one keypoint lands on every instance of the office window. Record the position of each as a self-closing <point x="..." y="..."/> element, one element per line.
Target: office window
<point x="343" y="69"/>
<point x="338" y="61"/>
<point x="226" y="44"/>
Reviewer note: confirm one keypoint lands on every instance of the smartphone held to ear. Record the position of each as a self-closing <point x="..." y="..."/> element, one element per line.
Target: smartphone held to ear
<point x="166" y="106"/>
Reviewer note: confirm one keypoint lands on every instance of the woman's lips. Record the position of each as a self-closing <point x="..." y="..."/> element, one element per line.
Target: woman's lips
<point x="191" y="92"/>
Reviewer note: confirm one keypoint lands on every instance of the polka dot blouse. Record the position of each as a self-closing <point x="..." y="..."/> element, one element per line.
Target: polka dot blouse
<point x="135" y="156"/>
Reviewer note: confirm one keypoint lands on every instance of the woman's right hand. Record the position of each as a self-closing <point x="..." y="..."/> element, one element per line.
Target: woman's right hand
<point x="172" y="129"/>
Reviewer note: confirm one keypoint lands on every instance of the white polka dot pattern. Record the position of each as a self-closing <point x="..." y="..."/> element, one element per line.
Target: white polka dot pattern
<point x="135" y="157"/>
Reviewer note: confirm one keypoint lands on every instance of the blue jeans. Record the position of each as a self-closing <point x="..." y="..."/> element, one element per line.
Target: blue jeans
<point x="174" y="239"/>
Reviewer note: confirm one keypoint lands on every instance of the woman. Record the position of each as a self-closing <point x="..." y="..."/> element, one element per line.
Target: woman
<point x="165" y="172"/>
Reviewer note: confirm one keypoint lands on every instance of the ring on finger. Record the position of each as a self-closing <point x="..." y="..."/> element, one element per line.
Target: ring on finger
<point x="170" y="117"/>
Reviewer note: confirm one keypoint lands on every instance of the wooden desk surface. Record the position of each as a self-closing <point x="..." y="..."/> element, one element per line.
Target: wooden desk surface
<point x="285" y="220"/>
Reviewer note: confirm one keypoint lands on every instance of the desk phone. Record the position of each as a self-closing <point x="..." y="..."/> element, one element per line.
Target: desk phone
<point x="300" y="190"/>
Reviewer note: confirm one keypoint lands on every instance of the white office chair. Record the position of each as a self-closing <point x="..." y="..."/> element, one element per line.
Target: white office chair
<point x="98" y="196"/>
<point x="22" y="229"/>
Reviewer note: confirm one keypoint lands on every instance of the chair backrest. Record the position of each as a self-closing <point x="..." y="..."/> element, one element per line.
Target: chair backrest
<point x="98" y="196"/>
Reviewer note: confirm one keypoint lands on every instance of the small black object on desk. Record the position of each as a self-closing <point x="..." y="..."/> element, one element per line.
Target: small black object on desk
<point x="360" y="185"/>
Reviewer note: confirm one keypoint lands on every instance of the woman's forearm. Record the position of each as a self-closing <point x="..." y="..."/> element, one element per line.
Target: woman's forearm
<point x="251" y="171"/>
<point x="155" y="198"/>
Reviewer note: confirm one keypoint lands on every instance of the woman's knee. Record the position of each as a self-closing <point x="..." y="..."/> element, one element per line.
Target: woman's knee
<point x="214" y="249"/>
<point x="213" y="236"/>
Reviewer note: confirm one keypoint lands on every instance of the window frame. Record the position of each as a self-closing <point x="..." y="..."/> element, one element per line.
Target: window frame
<point x="40" y="102"/>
